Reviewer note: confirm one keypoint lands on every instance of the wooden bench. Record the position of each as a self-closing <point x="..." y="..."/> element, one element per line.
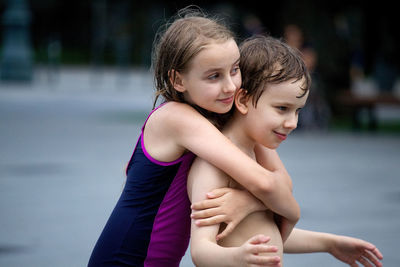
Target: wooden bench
<point x="358" y="103"/>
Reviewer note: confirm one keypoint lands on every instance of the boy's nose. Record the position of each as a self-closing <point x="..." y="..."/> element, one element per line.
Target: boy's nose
<point x="291" y="122"/>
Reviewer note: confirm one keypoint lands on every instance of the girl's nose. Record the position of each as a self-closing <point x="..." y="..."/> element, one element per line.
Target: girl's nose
<point x="229" y="86"/>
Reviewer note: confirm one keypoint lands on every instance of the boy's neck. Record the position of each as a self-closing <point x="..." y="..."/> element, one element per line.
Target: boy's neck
<point x="236" y="133"/>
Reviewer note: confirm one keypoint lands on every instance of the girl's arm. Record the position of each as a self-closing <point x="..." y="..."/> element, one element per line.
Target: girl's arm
<point x="346" y="249"/>
<point x="204" y="249"/>
<point x="195" y="133"/>
<point x="219" y="206"/>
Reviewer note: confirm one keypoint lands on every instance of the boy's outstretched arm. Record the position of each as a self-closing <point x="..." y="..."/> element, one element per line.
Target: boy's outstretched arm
<point x="346" y="249"/>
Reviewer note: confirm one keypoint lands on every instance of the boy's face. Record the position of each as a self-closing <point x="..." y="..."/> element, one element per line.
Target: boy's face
<point x="276" y="114"/>
<point x="213" y="76"/>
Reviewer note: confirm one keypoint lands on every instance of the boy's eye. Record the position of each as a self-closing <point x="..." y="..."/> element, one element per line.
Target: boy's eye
<point x="213" y="76"/>
<point x="282" y="108"/>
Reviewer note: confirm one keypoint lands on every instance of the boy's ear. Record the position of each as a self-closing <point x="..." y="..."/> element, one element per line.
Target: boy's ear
<point x="242" y="101"/>
<point x="175" y="79"/>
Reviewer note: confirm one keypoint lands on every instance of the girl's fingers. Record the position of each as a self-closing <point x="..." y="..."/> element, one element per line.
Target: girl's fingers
<point x="205" y="204"/>
<point x="228" y="229"/>
<point x="203" y="214"/>
<point x="210" y="221"/>
<point x="218" y="192"/>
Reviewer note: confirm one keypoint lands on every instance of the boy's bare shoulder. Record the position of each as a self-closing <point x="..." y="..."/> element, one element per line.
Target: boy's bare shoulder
<point x="206" y="169"/>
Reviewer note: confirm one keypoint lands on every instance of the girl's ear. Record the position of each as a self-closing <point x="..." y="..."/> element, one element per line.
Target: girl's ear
<point x="176" y="80"/>
<point x="242" y="101"/>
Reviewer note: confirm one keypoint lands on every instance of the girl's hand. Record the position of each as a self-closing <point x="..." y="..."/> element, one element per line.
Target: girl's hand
<point x="226" y="205"/>
<point x="352" y="250"/>
<point x="249" y="253"/>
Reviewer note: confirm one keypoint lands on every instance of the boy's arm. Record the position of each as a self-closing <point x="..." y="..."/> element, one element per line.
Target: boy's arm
<point x="202" y="178"/>
<point x="195" y="133"/>
<point x="346" y="249"/>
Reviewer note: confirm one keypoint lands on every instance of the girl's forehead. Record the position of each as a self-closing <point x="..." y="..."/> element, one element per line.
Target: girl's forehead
<point x="217" y="54"/>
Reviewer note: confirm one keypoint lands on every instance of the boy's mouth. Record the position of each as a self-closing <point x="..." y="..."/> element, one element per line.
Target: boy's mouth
<point x="280" y="135"/>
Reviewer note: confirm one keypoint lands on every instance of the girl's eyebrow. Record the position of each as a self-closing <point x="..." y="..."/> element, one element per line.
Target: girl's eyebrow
<point x="212" y="69"/>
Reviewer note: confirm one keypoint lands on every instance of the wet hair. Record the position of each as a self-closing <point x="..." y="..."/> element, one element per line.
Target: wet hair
<point x="178" y="42"/>
<point x="267" y="60"/>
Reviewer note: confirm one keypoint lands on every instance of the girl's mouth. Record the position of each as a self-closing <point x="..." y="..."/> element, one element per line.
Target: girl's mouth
<point x="227" y="100"/>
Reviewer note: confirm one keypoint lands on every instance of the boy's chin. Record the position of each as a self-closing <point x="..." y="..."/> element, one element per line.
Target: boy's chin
<point x="272" y="146"/>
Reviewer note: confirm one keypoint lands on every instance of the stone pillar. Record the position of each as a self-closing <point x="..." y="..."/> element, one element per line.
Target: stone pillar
<point x="16" y="63"/>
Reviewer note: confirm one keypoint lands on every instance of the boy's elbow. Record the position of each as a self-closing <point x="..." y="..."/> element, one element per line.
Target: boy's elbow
<point x="195" y="253"/>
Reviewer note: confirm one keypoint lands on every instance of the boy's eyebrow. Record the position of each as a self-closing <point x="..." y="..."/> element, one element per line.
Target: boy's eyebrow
<point x="285" y="103"/>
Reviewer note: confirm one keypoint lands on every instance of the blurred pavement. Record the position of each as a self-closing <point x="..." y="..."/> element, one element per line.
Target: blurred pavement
<point x="65" y="140"/>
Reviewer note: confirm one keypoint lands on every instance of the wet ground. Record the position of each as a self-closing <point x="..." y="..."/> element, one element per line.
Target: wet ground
<point x="64" y="141"/>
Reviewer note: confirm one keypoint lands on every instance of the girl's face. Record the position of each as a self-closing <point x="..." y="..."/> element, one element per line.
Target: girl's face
<point x="276" y="114"/>
<point x="212" y="78"/>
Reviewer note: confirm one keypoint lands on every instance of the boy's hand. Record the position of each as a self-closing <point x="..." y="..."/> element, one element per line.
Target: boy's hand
<point x="352" y="250"/>
<point x="249" y="253"/>
<point x="226" y="205"/>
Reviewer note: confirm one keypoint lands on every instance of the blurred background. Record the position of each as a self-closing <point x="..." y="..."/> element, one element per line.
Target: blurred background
<point x="76" y="86"/>
<point x="350" y="46"/>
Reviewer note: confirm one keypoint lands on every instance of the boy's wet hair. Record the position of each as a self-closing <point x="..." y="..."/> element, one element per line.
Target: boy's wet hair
<point x="267" y="60"/>
<point x="178" y="42"/>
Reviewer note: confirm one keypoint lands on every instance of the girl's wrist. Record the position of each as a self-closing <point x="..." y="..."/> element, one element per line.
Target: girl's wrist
<point x="254" y="203"/>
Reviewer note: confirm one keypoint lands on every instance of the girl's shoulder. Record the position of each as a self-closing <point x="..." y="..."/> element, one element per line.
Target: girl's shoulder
<point x="173" y="106"/>
<point x="174" y="114"/>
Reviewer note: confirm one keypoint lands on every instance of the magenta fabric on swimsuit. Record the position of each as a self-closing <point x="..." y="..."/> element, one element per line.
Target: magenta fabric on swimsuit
<point x="150" y="224"/>
<point x="172" y="222"/>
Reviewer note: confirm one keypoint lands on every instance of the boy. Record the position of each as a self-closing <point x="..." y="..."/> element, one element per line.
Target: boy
<point x="276" y="84"/>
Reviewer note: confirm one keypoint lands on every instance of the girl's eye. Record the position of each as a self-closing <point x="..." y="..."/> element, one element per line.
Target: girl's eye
<point x="282" y="108"/>
<point x="235" y="70"/>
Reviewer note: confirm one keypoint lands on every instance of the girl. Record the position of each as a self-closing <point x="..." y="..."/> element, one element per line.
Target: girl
<point x="196" y="66"/>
